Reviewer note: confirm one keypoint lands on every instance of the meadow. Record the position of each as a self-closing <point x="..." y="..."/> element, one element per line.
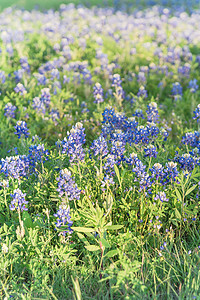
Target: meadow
<point x="100" y="151"/>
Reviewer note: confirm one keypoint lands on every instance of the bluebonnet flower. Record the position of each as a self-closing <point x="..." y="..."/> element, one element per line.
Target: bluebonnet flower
<point x="164" y="133"/>
<point x="132" y="158"/>
<point x="67" y="186"/>
<point x="157" y="171"/>
<point x="151" y="151"/>
<point x="18" y="75"/>
<point x="15" y="166"/>
<point x="193" y="86"/>
<point x="2" y="77"/>
<point x="187" y="162"/>
<point x="56" y="47"/>
<point x="72" y="145"/>
<point x="35" y="138"/>
<point x="142" y="92"/>
<point x="110" y="161"/>
<point x="117" y="149"/>
<point x="177" y="90"/>
<point x="152" y="129"/>
<point x="119" y="92"/>
<point x="9" y="110"/>
<point x="87" y="76"/>
<point x="162" y="197"/>
<point x="38" y="105"/>
<point x="163" y="246"/>
<point x="130" y="129"/>
<point x="160" y="85"/>
<point x="139" y="113"/>
<point x="56" y="87"/>
<point x="142" y="135"/>
<point x="24" y="64"/>
<point x="116" y="83"/>
<point x="141" y="77"/>
<point x="9" y="49"/>
<point x="138" y="166"/>
<point x="20" y="89"/>
<point x="55" y="74"/>
<point x="98" y="93"/>
<point x="170" y="172"/>
<point x="185" y="70"/>
<point x="145" y="182"/>
<point x="152" y="112"/>
<point x="66" y="52"/>
<point x="41" y="78"/>
<point x="45" y="97"/>
<point x="197" y="113"/>
<point x="116" y="80"/>
<point x="63" y="219"/>
<point x="114" y="120"/>
<point x="21" y="129"/>
<point x="66" y="79"/>
<point x="37" y="154"/>
<point x="18" y="201"/>
<point x="192" y="139"/>
<point x="55" y="115"/>
<point x="100" y="147"/>
<point x="106" y="182"/>
<point x="108" y="115"/>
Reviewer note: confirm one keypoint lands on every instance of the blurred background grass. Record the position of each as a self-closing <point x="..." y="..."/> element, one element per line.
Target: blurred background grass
<point x="127" y="4"/>
<point x="46" y="4"/>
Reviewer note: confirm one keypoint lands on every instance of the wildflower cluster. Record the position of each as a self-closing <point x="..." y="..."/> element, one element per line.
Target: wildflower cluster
<point x="66" y="186"/>
<point x="18" y="202"/>
<point x="73" y="143"/>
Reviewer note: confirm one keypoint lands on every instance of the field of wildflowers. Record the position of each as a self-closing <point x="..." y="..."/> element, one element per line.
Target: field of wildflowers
<point x="100" y="153"/>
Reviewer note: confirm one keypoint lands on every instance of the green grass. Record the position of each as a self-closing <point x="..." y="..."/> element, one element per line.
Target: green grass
<point x="47" y="4"/>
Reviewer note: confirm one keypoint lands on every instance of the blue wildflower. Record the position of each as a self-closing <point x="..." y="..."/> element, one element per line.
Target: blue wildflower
<point x="9" y="110"/>
<point x="67" y="186"/>
<point x="177" y="90"/>
<point x="98" y="93"/>
<point x="18" y="201"/>
<point x="21" y="129"/>
<point x="193" y="86"/>
<point x="63" y="219"/>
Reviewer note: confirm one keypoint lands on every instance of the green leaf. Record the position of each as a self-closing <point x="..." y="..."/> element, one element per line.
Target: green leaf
<point x="105" y="243"/>
<point x="178" y="194"/>
<point x="117" y="173"/>
<point x="27" y="220"/>
<point x="177" y="214"/>
<point x="114" y="227"/>
<point x="92" y="248"/>
<point x="111" y="253"/>
<point x="190" y="190"/>
<point x="83" y="229"/>
<point x="5" y="227"/>
<point x="83" y="238"/>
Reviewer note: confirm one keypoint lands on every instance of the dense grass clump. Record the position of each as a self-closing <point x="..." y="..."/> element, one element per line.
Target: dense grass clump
<point x="99" y="154"/>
